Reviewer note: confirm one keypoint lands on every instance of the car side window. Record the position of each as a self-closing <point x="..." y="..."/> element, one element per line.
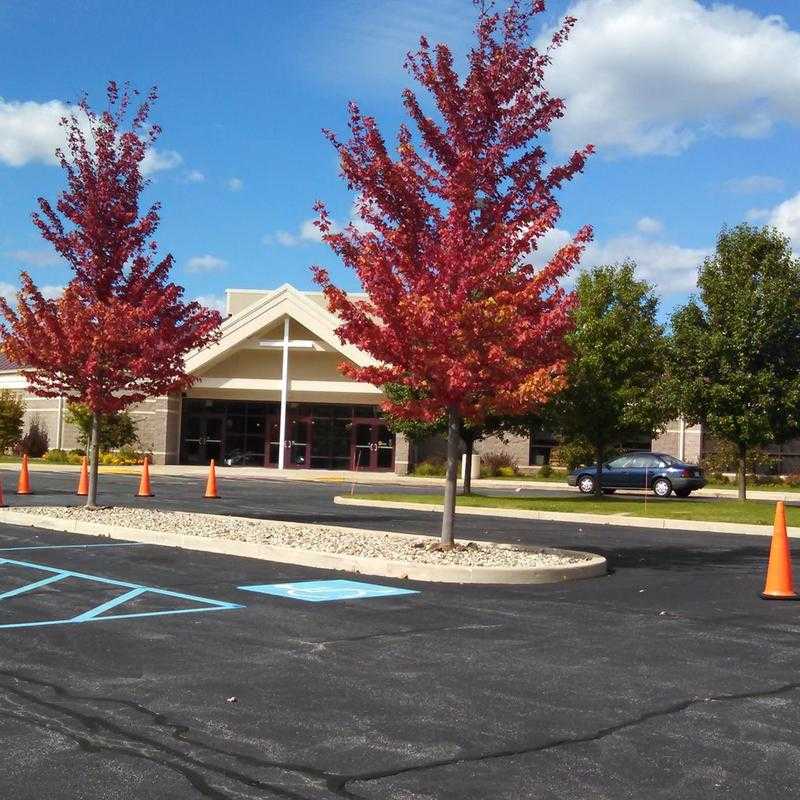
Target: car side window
<point x="644" y="462"/>
<point x="620" y="463"/>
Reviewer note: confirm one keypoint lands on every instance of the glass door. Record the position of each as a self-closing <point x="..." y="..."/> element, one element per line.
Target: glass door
<point x="298" y="443"/>
<point x="202" y="439"/>
<point x="384" y="439"/>
<point x="362" y="446"/>
<point x="373" y="446"/>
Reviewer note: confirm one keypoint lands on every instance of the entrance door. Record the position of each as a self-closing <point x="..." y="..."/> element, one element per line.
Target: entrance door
<point x="202" y="439"/>
<point x="298" y="443"/>
<point x="373" y="446"/>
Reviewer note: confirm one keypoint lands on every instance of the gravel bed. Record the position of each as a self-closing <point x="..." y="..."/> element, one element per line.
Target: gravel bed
<point x="319" y="538"/>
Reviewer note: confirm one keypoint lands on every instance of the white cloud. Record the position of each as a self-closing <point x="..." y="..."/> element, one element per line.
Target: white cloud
<point x="159" y="160"/>
<point x="213" y="301"/>
<point x="785" y="217"/>
<point x="51" y="292"/>
<point x="235" y="184"/>
<point x="651" y="76"/>
<point x="35" y="258"/>
<point x="307" y="232"/>
<point x="9" y="292"/>
<point x="206" y="263"/>
<point x="30" y="132"/>
<point x="649" y="225"/>
<point x="194" y="176"/>
<point x="672" y="268"/>
<point x="754" y="184"/>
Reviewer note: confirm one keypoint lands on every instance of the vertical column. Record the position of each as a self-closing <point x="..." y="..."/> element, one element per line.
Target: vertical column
<point x="682" y="439"/>
<point x="284" y="395"/>
<point x="60" y="424"/>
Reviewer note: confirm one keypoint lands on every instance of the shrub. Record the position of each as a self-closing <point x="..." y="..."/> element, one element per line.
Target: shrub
<point x="764" y="480"/>
<point x="431" y="468"/>
<point x="718" y="477"/>
<point x="12" y="410"/>
<point x="501" y="464"/>
<point x="117" y="431"/>
<point x="56" y="456"/>
<point x="724" y="458"/>
<point x="578" y="453"/>
<point x="74" y="457"/>
<point x="545" y="471"/>
<point x="793" y="480"/>
<point x="34" y="442"/>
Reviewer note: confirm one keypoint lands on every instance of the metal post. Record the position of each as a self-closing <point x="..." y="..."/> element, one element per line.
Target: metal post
<point x="284" y="395"/>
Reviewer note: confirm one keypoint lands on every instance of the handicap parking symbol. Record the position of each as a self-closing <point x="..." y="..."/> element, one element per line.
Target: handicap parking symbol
<point x="326" y="591"/>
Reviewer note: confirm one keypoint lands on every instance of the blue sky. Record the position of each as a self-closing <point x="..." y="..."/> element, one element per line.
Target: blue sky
<point x="694" y="108"/>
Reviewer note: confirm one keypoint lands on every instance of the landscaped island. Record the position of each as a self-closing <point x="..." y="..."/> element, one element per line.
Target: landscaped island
<point x="325" y="546"/>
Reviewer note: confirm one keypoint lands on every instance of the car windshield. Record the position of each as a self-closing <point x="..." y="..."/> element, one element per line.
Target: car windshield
<point x="670" y="461"/>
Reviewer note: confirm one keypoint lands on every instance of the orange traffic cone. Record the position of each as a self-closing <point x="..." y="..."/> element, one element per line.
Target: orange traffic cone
<point x="83" y="481"/>
<point x="144" y="485"/>
<point x="24" y="485"/>
<point x="3" y="503"/>
<point x="211" y="486"/>
<point x="779" y="571"/>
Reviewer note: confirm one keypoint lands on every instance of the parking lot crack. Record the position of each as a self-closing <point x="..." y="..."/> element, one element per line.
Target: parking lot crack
<point x="101" y="733"/>
<point x="340" y="784"/>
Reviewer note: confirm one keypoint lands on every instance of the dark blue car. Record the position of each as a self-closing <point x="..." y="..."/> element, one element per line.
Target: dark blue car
<point x="657" y="471"/>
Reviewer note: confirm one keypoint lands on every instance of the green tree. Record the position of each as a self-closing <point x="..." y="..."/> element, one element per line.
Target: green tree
<point x="12" y="410"/>
<point x="116" y="430"/>
<point x="619" y="354"/>
<point x="470" y="432"/>
<point x="735" y="350"/>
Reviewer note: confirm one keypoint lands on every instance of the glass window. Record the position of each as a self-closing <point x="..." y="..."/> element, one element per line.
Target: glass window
<point x="619" y="463"/>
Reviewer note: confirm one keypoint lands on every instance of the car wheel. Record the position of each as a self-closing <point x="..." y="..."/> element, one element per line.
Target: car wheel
<point x="586" y="484"/>
<point x="662" y="487"/>
<point x="683" y="492"/>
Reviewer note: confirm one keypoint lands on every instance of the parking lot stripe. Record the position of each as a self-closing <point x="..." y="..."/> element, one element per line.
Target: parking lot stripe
<point x="29" y="587"/>
<point x="113" y="603"/>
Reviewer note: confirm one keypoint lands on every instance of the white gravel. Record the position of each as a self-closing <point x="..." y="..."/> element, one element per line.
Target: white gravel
<point x="318" y="538"/>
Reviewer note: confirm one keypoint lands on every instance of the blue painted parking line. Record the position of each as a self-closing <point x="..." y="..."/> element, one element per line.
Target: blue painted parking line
<point x="326" y="591"/>
<point x="99" y="613"/>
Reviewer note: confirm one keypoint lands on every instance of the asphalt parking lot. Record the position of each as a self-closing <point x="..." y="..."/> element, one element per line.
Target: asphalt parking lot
<point x="667" y="678"/>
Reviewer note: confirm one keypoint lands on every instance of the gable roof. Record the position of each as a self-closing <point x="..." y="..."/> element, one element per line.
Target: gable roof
<point x="285" y="301"/>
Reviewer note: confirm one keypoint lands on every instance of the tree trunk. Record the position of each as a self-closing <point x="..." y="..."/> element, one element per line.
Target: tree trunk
<point x="600" y="452"/>
<point x="94" y="458"/>
<point x="741" y="472"/>
<point x="453" y="441"/>
<point x="469" y="447"/>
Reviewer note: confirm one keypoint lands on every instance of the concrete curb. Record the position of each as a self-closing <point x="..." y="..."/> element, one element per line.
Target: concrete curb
<point x="590" y="565"/>
<point x="593" y="519"/>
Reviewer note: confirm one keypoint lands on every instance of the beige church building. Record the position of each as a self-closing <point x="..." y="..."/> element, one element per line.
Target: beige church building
<point x="270" y="394"/>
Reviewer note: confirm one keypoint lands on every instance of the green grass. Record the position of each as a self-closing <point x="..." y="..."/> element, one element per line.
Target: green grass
<point x="4" y="459"/>
<point x="751" y="512"/>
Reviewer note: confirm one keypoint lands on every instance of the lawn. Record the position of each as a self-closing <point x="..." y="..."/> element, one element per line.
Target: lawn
<point x="755" y="512"/>
<point x="561" y="477"/>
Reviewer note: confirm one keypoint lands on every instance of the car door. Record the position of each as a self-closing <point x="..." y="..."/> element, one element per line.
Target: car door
<point x="615" y="473"/>
<point x="641" y="469"/>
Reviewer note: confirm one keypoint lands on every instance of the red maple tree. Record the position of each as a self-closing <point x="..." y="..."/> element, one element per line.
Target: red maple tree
<point x="120" y="330"/>
<point x="458" y="310"/>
